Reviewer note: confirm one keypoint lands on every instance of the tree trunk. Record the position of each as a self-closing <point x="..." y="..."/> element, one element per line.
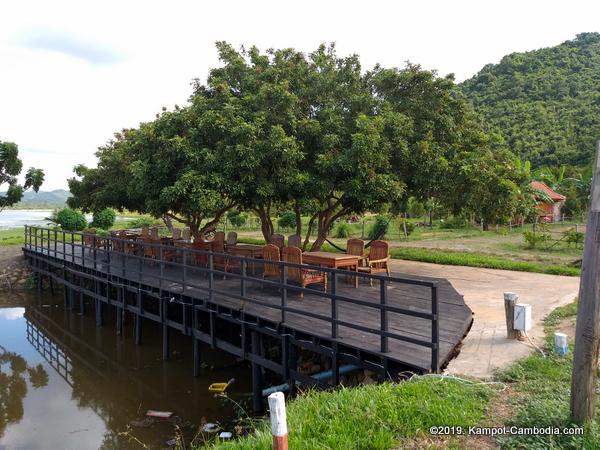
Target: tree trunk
<point x="266" y="224"/>
<point x="168" y="222"/>
<point x="298" y="219"/>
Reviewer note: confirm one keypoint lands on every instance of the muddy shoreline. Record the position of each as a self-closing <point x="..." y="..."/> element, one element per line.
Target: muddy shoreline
<point x="14" y="273"/>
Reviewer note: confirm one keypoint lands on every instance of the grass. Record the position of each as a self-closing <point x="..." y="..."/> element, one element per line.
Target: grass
<point x="543" y="395"/>
<point x="13" y="236"/>
<point x="479" y="260"/>
<point x="374" y="416"/>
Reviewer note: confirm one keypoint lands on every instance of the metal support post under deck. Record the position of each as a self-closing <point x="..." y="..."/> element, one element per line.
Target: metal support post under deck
<point x="257" y="400"/>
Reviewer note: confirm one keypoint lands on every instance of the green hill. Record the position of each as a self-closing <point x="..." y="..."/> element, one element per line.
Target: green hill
<point x="546" y="103"/>
<point x="43" y="199"/>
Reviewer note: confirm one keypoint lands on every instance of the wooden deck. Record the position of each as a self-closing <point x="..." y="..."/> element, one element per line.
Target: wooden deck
<point x="454" y="316"/>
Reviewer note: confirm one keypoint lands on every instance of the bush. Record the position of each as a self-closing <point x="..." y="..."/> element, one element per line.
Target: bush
<point x="342" y="230"/>
<point x="415" y="208"/>
<point x="379" y="228"/>
<point x="287" y="219"/>
<point x="453" y="223"/>
<point x="574" y="237"/>
<point x="104" y="219"/>
<point x="410" y="227"/>
<point x="70" y="219"/>
<point x="142" y="222"/>
<point x="236" y="218"/>
<point x="533" y="238"/>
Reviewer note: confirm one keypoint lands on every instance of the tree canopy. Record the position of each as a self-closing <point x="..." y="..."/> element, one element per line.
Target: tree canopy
<point x="10" y="168"/>
<point x="310" y="133"/>
<point x="545" y="103"/>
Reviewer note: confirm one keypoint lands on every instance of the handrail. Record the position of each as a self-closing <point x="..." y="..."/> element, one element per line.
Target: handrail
<point x="109" y="255"/>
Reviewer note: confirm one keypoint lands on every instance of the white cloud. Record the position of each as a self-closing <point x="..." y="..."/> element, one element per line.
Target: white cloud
<point x="73" y="73"/>
<point x="12" y="313"/>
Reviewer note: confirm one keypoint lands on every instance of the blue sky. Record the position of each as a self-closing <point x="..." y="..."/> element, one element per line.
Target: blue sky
<point x="73" y="73"/>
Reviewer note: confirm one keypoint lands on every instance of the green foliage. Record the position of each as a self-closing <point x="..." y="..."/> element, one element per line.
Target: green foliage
<point x="533" y="238"/>
<point x="380" y="228"/>
<point x="407" y="226"/>
<point x="142" y="222"/>
<point x="545" y="103"/>
<point x="287" y="219"/>
<point x="237" y="218"/>
<point x="10" y="168"/>
<point x="105" y="218"/>
<point x="70" y="219"/>
<point x="342" y="230"/>
<point x="574" y="237"/>
<point x="415" y="208"/>
<point x="454" y="223"/>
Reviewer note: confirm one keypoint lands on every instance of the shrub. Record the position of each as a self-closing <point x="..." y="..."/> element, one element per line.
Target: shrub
<point x="142" y="222"/>
<point x="70" y="219"/>
<point x="342" y="230"/>
<point x="236" y="218"/>
<point x="379" y="228"/>
<point x="410" y="227"/>
<point x="104" y="219"/>
<point x="287" y="219"/>
<point x="415" y="208"/>
<point x="533" y="238"/>
<point x="574" y="237"/>
<point x="455" y="222"/>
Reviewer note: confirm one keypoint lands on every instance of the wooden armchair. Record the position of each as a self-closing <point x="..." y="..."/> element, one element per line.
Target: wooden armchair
<point x="378" y="259"/>
<point x="295" y="241"/>
<point x="88" y="236"/>
<point x="220" y="259"/>
<point x="356" y="247"/>
<point x="154" y="233"/>
<point x="271" y="256"/>
<point x="231" y="239"/>
<point x="302" y="276"/>
<point x="278" y="240"/>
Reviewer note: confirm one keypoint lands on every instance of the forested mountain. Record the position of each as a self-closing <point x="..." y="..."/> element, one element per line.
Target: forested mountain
<point x="44" y="199"/>
<point x="546" y="103"/>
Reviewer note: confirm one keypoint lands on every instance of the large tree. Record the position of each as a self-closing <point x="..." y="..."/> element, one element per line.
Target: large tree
<point x="10" y="168"/>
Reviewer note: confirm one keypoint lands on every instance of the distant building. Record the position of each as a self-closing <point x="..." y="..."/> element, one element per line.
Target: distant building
<point x="549" y="211"/>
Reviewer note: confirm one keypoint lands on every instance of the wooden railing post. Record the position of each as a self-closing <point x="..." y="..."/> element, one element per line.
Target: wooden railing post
<point x="435" y="331"/>
<point x="284" y="277"/>
<point x="384" y="314"/>
<point x="334" y="312"/>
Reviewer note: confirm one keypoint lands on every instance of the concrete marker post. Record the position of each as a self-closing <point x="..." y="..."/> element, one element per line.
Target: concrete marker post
<point x="278" y="421"/>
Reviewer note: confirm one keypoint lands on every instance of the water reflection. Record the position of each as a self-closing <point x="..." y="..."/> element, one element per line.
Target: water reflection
<point x="66" y="384"/>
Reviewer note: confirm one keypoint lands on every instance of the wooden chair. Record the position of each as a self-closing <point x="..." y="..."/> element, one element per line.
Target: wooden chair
<point x="302" y="276"/>
<point x="220" y="259"/>
<point x="145" y="232"/>
<point x="186" y="235"/>
<point x="154" y="233"/>
<point x="232" y="238"/>
<point x="356" y="247"/>
<point x="176" y="234"/>
<point x="271" y="255"/>
<point x="220" y="237"/>
<point x="88" y="236"/>
<point x="278" y="240"/>
<point x="378" y="258"/>
<point x="126" y="245"/>
<point x="295" y="241"/>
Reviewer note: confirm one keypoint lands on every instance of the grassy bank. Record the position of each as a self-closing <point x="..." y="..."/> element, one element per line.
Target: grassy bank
<point x="479" y="260"/>
<point x="375" y="417"/>
<point x="386" y="416"/>
<point x="13" y="236"/>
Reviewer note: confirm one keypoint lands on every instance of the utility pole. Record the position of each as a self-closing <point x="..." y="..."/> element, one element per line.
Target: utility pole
<point x="587" y="332"/>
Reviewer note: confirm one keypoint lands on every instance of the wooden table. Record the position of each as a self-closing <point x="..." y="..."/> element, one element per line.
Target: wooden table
<point x="333" y="260"/>
<point x="248" y="251"/>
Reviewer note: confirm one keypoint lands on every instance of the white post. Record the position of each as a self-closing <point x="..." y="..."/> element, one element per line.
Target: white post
<point x="278" y="421"/>
<point x="510" y="299"/>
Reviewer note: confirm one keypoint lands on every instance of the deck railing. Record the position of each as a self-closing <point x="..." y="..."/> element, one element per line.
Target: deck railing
<point x="132" y="260"/>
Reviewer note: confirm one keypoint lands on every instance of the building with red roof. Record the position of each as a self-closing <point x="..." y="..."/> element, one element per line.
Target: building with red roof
<point x="548" y="211"/>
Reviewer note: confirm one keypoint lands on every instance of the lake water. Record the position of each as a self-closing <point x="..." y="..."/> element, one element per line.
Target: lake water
<point x="15" y="218"/>
<point x="67" y="384"/>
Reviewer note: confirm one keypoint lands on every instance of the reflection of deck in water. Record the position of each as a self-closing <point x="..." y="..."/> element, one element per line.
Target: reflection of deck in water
<point x="399" y="323"/>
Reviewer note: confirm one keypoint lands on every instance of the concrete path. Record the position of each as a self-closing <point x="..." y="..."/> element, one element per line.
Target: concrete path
<point x="486" y="348"/>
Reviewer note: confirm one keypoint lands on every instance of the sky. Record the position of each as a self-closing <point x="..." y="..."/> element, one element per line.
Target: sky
<point x="74" y="73"/>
